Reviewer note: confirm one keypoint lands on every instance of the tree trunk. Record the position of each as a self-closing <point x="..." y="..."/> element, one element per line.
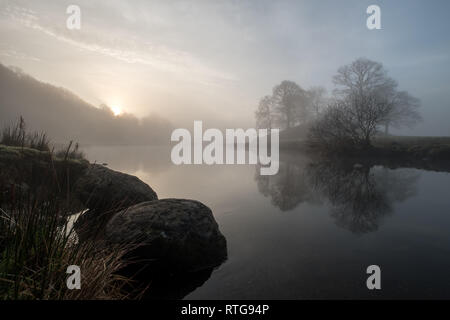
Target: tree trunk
<point x="367" y="142"/>
<point x="386" y="128"/>
<point x="288" y="119"/>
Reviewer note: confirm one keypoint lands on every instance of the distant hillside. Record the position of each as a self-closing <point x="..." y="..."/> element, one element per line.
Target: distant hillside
<point x="64" y="116"/>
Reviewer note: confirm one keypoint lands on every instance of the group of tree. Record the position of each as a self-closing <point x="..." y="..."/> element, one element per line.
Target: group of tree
<point x="289" y="106"/>
<point x="365" y="101"/>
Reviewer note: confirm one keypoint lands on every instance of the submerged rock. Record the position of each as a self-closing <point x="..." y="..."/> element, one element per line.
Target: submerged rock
<point x="178" y="234"/>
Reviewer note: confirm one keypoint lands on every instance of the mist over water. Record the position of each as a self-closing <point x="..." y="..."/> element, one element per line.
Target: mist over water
<point x="352" y="97"/>
<point x="311" y="230"/>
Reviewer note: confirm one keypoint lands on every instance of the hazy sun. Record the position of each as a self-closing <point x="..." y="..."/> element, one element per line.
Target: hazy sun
<point x="117" y="111"/>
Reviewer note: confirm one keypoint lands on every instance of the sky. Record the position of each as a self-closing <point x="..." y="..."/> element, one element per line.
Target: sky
<point x="214" y="60"/>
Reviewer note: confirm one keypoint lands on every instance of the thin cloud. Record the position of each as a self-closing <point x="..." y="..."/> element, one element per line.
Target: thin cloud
<point x="11" y="53"/>
<point x="158" y="57"/>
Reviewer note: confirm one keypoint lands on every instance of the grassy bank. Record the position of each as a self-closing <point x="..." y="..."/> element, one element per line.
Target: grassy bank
<point x="36" y="243"/>
<point x="396" y="147"/>
<point x="432" y="148"/>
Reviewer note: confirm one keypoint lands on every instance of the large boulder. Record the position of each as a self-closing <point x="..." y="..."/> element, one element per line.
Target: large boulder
<point x="105" y="192"/>
<point x="28" y="175"/>
<point x="101" y="189"/>
<point x="177" y="234"/>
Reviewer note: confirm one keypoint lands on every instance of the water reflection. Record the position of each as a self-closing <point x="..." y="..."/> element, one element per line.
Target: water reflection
<point x="131" y="159"/>
<point x="359" y="195"/>
<point x="300" y="253"/>
<point x="167" y="286"/>
<point x="290" y="186"/>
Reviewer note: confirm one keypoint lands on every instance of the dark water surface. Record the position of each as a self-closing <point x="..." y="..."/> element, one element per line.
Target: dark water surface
<point x="310" y="231"/>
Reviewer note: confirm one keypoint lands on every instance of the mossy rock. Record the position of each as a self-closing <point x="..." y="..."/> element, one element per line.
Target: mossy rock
<point x="179" y="234"/>
<point x="40" y="170"/>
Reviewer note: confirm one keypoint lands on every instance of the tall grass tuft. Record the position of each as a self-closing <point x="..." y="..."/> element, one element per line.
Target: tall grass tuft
<point x="36" y="249"/>
<point x="37" y="242"/>
<point x="72" y="151"/>
<point x="17" y="136"/>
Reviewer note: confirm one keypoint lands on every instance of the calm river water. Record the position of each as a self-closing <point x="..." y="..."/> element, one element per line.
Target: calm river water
<point x="310" y="231"/>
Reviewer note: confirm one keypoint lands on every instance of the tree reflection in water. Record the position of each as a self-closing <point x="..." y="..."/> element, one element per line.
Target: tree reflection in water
<point x="359" y="196"/>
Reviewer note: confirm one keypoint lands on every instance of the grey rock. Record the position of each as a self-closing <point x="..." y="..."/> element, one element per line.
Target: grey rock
<point x="178" y="233"/>
<point x="100" y="188"/>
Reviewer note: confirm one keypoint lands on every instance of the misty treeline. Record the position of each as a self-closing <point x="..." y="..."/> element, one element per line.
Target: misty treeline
<point x="365" y="102"/>
<point x="65" y="117"/>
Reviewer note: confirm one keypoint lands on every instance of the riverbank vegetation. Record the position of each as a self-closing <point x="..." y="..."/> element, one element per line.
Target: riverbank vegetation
<point x="37" y="242"/>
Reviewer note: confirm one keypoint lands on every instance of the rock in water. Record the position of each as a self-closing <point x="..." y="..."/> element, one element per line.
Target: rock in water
<point x="105" y="192"/>
<point x="103" y="189"/>
<point x="178" y="234"/>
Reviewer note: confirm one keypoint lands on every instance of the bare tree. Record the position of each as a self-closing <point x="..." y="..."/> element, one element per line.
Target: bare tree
<point x="291" y="103"/>
<point x="317" y="99"/>
<point x="350" y="122"/>
<point x="404" y="111"/>
<point x="289" y="106"/>
<point x="367" y="113"/>
<point x="334" y="129"/>
<point x="365" y="77"/>
<point x="265" y="117"/>
<point x="365" y="99"/>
